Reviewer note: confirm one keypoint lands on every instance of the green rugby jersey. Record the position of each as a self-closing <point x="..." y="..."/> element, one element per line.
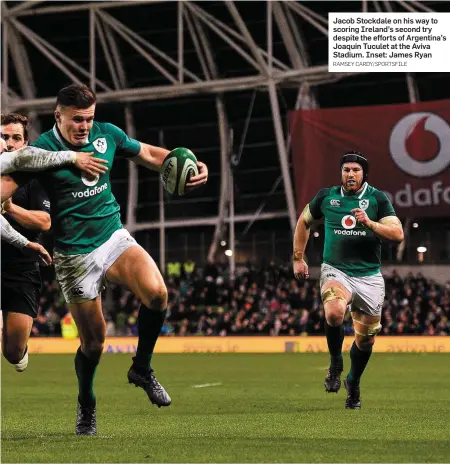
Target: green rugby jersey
<point x="349" y="246"/>
<point x="84" y="211"/>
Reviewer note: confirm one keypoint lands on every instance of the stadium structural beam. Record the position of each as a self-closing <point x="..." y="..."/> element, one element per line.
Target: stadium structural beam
<point x="13" y="11"/>
<point x="211" y="67"/>
<point x="231" y="221"/>
<point x="247" y="36"/>
<point x="139" y="40"/>
<point x="288" y="190"/>
<point x="106" y="53"/>
<point x="180" y="50"/>
<point x="312" y="74"/>
<point x="125" y="36"/>
<point x="202" y="221"/>
<point x="232" y="33"/>
<point x="197" y="45"/>
<point x="32" y="11"/>
<point x="92" y="47"/>
<point x="199" y="13"/>
<point x="295" y="45"/>
<point x="310" y="16"/>
<point x="52" y="53"/>
<point x="21" y="62"/>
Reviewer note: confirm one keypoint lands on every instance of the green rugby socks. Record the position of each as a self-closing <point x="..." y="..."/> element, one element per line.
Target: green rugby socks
<point x="150" y="323"/>
<point x="85" y="369"/>
<point x="359" y="360"/>
<point x="335" y="339"/>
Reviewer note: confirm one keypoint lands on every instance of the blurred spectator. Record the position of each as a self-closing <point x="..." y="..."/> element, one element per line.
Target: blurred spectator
<point x="264" y="301"/>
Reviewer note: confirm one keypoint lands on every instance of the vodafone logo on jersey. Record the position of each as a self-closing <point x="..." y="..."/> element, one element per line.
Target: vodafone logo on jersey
<point x="348" y="222"/>
<point x="89" y="179"/>
<point x="419" y="144"/>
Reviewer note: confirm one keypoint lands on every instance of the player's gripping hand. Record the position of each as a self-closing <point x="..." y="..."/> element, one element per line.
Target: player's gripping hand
<point x="301" y="270"/>
<point x="361" y="217"/>
<point x="88" y="163"/>
<point x="201" y="178"/>
<point x="38" y="251"/>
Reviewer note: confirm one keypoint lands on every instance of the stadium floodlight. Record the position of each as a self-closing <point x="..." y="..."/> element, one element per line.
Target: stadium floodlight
<point x="223" y="242"/>
<point x="229" y="252"/>
<point x="415" y="225"/>
<point x="421" y="249"/>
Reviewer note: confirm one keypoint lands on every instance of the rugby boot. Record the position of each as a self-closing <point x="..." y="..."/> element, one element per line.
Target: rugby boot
<point x="145" y="378"/>
<point x="86" y="420"/>
<point x="333" y="378"/>
<point x="353" y="400"/>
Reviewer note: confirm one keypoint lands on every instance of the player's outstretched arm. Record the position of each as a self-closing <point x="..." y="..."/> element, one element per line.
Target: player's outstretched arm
<point x="301" y="237"/>
<point x="16" y="239"/>
<point x="38" y="159"/>
<point x="152" y="157"/>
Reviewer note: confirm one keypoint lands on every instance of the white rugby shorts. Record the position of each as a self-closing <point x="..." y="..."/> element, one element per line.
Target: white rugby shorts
<point x="83" y="277"/>
<point x="367" y="291"/>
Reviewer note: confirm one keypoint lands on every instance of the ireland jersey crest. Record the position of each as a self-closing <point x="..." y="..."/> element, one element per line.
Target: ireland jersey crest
<point x="363" y="204"/>
<point x="100" y="145"/>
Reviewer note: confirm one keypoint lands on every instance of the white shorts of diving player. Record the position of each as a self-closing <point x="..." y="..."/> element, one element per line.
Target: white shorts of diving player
<point x="83" y="277"/>
<point x="367" y="292"/>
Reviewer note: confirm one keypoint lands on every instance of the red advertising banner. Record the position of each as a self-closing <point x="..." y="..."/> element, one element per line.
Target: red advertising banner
<point x="408" y="148"/>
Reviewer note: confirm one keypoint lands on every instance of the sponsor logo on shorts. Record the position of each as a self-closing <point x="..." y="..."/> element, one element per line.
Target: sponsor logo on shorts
<point x="330" y="275"/>
<point x="90" y="192"/>
<point x="77" y="291"/>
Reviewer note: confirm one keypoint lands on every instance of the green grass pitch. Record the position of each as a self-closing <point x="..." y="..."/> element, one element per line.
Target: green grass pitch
<point x="257" y="408"/>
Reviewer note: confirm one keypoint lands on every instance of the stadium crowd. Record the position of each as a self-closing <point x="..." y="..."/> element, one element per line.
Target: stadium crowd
<point x="263" y="301"/>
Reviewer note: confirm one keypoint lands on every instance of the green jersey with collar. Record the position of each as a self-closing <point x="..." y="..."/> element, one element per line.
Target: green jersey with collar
<point x="349" y="246"/>
<point x="84" y="211"/>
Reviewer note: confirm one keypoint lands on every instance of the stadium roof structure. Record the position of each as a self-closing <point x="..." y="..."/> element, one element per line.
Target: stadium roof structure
<point x="217" y="76"/>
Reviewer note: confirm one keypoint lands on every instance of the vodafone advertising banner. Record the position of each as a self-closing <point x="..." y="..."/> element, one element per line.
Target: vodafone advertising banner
<point x="408" y="148"/>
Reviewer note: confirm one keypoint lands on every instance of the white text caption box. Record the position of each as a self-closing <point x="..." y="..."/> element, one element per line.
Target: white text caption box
<point x="389" y="42"/>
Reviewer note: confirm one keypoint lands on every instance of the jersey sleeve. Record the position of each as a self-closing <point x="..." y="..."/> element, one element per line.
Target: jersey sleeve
<point x="315" y="205"/>
<point x="385" y="207"/>
<point x="126" y="146"/>
<point x="39" y="197"/>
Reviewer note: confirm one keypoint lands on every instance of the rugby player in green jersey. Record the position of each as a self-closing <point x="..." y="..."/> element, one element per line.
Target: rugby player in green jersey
<point x="91" y="245"/>
<point x="357" y="217"/>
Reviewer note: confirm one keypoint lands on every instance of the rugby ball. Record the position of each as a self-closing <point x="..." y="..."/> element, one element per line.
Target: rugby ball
<point x="178" y="167"/>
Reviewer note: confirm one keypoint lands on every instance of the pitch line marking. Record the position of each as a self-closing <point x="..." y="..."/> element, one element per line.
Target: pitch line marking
<point x="205" y="385"/>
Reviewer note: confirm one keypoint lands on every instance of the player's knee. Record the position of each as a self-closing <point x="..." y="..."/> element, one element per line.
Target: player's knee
<point x="365" y="343"/>
<point x="335" y="312"/>
<point x="13" y="354"/>
<point x="93" y="349"/>
<point x="156" y="297"/>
